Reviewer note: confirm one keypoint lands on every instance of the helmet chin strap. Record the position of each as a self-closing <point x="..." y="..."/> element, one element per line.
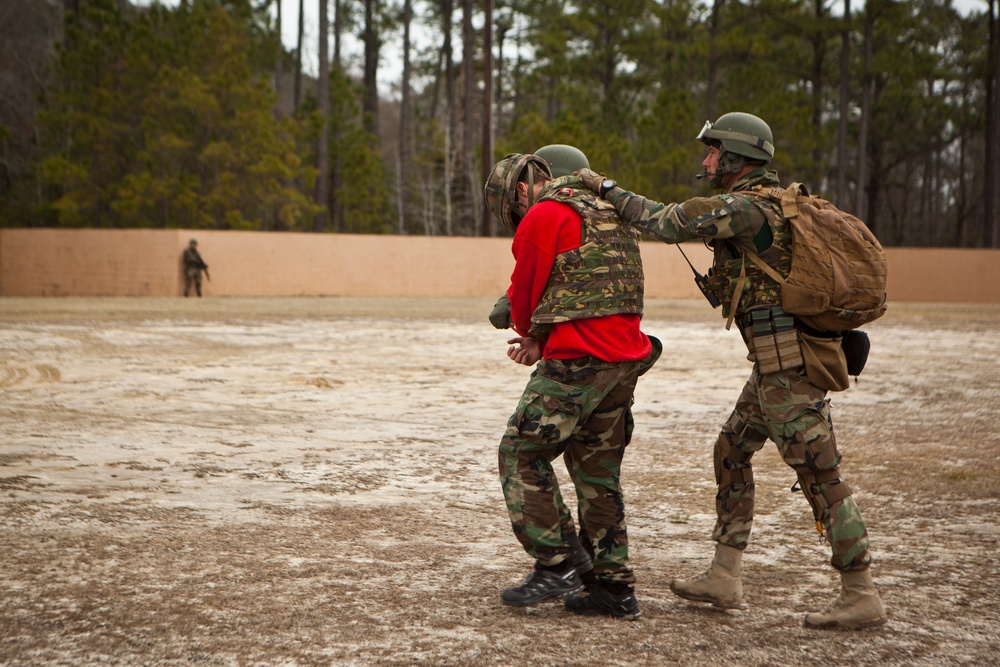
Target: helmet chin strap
<point x="531" y="192"/>
<point x="729" y="163"/>
<point x="531" y="185"/>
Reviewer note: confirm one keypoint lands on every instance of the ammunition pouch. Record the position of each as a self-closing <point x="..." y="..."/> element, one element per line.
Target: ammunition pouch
<point x="772" y="339"/>
<point x="835" y="489"/>
<point x="826" y="366"/>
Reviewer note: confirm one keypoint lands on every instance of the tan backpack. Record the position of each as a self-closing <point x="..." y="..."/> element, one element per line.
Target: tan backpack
<point x="839" y="269"/>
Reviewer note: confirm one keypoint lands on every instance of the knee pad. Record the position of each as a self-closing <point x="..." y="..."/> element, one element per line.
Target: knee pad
<point x="732" y="456"/>
<point x="835" y="489"/>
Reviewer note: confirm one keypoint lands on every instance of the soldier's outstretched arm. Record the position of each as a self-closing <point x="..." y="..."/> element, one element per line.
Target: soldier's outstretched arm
<point x="665" y="222"/>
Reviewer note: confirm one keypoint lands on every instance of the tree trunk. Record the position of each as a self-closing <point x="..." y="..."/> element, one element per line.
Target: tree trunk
<point x="323" y="103"/>
<point x="337" y="169"/>
<point x="298" y="55"/>
<point x="713" y="58"/>
<point x="845" y="76"/>
<point x="404" y="125"/>
<point x="503" y="25"/>
<point x="866" y="96"/>
<point x="279" y="66"/>
<point x="487" y="156"/>
<point x="991" y="202"/>
<point x="819" y="50"/>
<point x="466" y="173"/>
<point x="371" y="40"/>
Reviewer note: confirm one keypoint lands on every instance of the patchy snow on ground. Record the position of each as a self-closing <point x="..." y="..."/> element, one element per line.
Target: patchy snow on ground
<point x="313" y="482"/>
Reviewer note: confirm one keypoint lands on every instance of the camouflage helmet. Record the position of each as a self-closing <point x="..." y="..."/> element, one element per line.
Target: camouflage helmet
<point x="742" y="134"/>
<point x="563" y="159"/>
<point x="501" y="187"/>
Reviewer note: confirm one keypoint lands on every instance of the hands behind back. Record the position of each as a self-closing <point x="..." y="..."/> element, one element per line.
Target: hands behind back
<point x="527" y="352"/>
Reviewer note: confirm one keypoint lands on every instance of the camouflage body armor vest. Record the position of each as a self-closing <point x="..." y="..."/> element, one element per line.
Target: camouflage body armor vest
<point x="603" y="276"/>
<point x="728" y="262"/>
<point x="770" y="333"/>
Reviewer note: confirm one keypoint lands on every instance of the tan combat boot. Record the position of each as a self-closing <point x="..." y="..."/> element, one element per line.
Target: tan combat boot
<point x="720" y="584"/>
<point x="858" y="606"/>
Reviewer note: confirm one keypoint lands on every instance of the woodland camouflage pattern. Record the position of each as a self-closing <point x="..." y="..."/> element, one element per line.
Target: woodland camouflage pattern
<point x="719" y="218"/>
<point x="604" y="276"/>
<point x="580" y="408"/>
<point x="792" y="412"/>
<point x="783" y="406"/>
<point x="500" y="188"/>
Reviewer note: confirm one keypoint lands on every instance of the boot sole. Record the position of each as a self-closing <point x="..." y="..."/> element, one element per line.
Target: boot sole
<point x="529" y="602"/>
<point x="700" y="598"/>
<point x="604" y="611"/>
<point x="621" y="617"/>
<point x="837" y="625"/>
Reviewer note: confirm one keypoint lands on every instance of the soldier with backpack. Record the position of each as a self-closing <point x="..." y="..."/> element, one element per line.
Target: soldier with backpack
<point x="749" y="226"/>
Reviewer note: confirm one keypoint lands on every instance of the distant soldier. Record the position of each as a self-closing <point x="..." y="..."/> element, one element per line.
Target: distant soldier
<point x="193" y="266"/>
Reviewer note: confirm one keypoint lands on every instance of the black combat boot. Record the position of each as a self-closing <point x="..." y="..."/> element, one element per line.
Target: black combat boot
<point x="544" y="584"/>
<point x="617" y="600"/>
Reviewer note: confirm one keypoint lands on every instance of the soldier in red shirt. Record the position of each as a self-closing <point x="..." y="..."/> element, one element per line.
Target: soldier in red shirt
<point x="575" y="303"/>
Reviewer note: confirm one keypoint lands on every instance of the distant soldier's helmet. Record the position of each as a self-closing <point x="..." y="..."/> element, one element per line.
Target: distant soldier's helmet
<point x="501" y="187"/>
<point x="563" y="160"/>
<point x="742" y="134"/>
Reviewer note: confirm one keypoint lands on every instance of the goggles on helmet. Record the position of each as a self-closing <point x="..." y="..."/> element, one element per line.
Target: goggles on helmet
<point x="753" y="142"/>
<point x="708" y="127"/>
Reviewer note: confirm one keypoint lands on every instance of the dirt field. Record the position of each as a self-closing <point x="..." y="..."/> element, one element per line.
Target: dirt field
<point x="313" y="482"/>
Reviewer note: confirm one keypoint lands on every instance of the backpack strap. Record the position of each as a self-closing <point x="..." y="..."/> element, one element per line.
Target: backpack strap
<point x="764" y="266"/>
<point x="789" y="209"/>
<point x="789" y="205"/>
<point x="738" y="291"/>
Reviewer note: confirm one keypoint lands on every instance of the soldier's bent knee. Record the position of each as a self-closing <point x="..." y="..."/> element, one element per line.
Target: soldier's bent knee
<point x="822" y="489"/>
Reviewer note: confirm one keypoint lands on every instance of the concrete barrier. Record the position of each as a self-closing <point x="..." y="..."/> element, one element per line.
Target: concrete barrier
<point x="140" y="262"/>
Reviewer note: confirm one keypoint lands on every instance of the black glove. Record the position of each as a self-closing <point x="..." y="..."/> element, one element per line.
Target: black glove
<point x="500" y="315"/>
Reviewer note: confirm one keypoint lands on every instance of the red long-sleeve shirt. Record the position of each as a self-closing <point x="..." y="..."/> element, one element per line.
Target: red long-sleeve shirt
<point x="550" y="228"/>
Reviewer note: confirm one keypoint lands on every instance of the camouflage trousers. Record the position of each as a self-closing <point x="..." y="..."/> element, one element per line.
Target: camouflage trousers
<point x="580" y="408"/>
<point x="192" y="278"/>
<point x="795" y="414"/>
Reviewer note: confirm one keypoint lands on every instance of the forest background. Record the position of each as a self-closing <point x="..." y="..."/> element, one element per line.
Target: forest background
<point x="196" y="116"/>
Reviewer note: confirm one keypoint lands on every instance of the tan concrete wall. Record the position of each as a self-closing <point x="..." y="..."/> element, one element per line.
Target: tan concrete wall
<point x="95" y="262"/>
<point x="944" y="275"/>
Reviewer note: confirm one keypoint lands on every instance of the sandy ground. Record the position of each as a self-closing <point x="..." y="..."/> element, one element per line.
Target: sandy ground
<point x="313" y="482"/>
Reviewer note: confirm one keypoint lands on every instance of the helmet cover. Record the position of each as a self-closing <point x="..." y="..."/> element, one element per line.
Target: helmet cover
<point x="501" y="186"/>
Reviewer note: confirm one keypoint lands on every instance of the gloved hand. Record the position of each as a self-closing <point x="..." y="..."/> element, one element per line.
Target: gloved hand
<point x="591" y="179"/>
<point x="500" y="315"/>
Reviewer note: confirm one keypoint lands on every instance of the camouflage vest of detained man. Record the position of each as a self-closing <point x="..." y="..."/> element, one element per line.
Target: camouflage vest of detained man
<point x="601" y="277"/>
